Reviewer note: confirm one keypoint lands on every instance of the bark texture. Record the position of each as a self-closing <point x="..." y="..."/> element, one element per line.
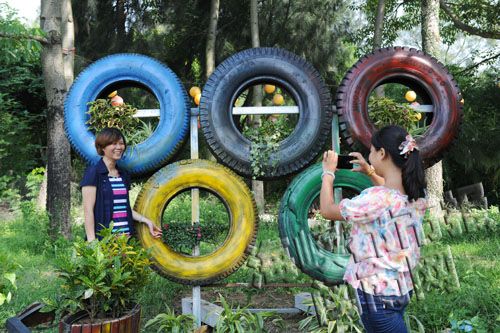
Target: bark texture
<point x="377" y="37"/>
<point x="211" y="37"/>
<point x="58" y="149"/>
<point x="431" y="41"/>
<point x="257" y="185"/>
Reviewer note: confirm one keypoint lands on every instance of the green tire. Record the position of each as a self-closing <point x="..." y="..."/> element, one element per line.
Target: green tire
<point x="296" y="237"/>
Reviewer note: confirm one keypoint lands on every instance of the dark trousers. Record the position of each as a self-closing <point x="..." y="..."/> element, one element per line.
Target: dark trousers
<point x="383" y="314"/>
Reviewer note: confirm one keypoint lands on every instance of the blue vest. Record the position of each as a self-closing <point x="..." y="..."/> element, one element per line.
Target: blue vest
<point x="97" y="175"/>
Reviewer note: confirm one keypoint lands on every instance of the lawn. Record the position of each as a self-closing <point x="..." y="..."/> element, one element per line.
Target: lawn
<point x="476" y="257"/>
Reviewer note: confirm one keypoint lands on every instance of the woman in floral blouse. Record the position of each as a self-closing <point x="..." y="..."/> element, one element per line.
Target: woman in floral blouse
<point x="386" y="226"/>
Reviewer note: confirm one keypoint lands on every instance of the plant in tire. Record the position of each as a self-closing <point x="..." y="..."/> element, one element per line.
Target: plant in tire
<point x="301" y="82"/>
<point x="266" y="140"/>
<point x="385" y="111"/>
<point x="103" y="277"/>
<point x="104" y="114"/>
<point x="417" y="71"/>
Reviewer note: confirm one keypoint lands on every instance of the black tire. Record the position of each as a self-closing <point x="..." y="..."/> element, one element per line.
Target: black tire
<point x="413" y="68"/>
<point x="125" y="70"/>
<point x="265" y="65"/>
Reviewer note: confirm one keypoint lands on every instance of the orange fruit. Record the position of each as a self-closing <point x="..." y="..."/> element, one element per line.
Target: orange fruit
<point x="197" y="98"/>
<point x="269" y="88"/>
<point x="410" y="96"/>
<point x="116" y="101"/>
<point x="278" y="99"/>
<point x="194" y="91"/>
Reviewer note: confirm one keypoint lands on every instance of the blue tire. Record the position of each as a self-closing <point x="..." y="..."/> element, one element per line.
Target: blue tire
<point x="125" y="70"/>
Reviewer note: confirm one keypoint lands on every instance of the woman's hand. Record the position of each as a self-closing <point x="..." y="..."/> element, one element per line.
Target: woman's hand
<point x="364" y="167"/>
<point x="153" y="229"/>
<point x="330" y="160"/>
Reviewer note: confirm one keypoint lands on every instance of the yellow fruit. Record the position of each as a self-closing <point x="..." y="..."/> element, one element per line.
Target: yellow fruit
<point x="269" y="88"/>
<point x="278" y="99"/>
<point x="197" y="98"/>
<point x="194" y="91"/>
<point x="116" y="100"/>
<point x="410" y="96"/>
<point x="418" y="116"/>
<point x="462" y="101"/>
<point x="113" y="94"/>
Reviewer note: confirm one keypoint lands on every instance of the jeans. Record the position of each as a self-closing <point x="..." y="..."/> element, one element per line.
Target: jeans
<point x="381" y="314"/>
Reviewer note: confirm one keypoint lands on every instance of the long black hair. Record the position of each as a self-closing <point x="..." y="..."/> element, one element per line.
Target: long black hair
<point x="390" y="138"/>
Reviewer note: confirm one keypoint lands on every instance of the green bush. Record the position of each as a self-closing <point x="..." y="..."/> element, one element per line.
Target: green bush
<point x="103" y="277"/>
<point x="385" y="111"/>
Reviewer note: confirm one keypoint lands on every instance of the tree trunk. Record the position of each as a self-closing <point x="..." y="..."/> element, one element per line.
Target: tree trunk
<point x="120" y="23"/>
<point x="211" y="37"/>
<point x="431" y="42"/>
<point x="377" y="37"/>
<point x="58" y="149"/>
<point x="257" y="185"/>
<point x="210" y="60"/>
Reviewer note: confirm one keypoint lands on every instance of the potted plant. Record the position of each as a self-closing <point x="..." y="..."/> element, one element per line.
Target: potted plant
<point x="100" y="282"/>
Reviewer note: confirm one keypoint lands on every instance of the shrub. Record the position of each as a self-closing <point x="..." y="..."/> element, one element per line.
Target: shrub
<point x="103" y="277"/>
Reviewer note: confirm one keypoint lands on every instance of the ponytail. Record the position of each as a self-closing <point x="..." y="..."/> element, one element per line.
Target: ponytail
<point x="390" y="138"/>
<point x="413" y="176"/>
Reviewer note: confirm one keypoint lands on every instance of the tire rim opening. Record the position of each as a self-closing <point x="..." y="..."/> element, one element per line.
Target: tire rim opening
<point x="268" y="124"/>
<point x="406" y="105"/>
<point x="131" y="107"/>
<point x="181" y="235"/>
<point x="323" y="231"/>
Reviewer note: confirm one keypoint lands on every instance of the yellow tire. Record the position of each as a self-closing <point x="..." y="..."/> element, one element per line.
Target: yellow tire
<point x="175" y="178"/>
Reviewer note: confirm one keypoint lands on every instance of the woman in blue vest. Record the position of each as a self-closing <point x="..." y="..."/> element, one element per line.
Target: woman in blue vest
<point x="105" y="190"/>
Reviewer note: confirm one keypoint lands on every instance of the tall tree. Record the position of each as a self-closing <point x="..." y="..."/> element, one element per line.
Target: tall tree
<point x="211" y="37"/>
<point x="257" y="185"/>
<point x="377" y="36"/>
<point x="431" y="42"/>
<point x="58" y="149"/>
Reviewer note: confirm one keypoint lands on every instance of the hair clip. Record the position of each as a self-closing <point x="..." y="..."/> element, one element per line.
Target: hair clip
<point x="407" y="146"/>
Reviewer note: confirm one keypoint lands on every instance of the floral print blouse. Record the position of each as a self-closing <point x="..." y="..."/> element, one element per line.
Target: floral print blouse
<point x="385" y="238"/>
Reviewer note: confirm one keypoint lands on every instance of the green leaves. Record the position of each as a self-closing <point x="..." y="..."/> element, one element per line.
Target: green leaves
<point x="7" y="283"/>
<point x="241" y="320"/>
<point x="169" y="322"/>
<point x="335" y="311"/>
<point x="103" y="277"/>
<point x="385" y="111"/>
<point x="266" y="139"/>
<point x="103" y="114"/>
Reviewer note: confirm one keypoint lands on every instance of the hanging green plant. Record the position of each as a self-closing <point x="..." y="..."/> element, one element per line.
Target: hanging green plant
<point x="104" y="114"/>
<point x="266" y="140"/>
<point x="385" y="111"/>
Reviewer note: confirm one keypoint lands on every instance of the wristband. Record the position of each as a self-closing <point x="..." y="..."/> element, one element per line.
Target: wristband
<point x="328" y="172"/>
<point x="371" y="172"/>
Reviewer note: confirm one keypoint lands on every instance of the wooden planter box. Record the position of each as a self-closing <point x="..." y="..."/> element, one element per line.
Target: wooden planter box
<point x="129" y="323"/>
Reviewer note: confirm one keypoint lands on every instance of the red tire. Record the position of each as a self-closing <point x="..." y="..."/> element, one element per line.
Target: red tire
<point x="421" y="73"/>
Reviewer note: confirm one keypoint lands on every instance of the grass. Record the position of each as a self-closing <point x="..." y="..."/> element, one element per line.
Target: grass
<point x="478" y="268"/>
<point x="476" y="255"/>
